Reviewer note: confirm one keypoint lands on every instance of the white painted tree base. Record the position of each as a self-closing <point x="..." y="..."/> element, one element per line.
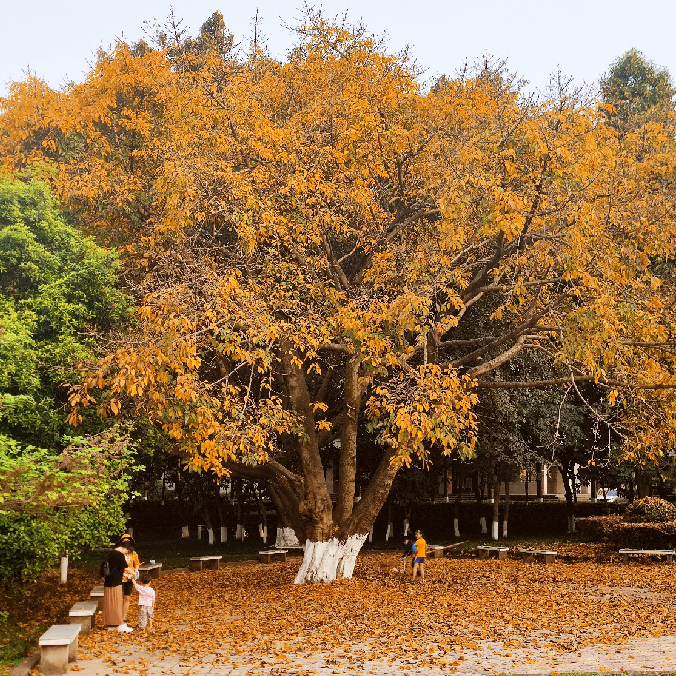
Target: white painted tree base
<point x="328" y="561"/>
<point x="406" y="527"/>
<point x="456" y="528"/>
<point x="224" y="534"/>
<point x="504" y="529"/>
<point x="63" y="570"/>
<point x="496" y="530"/>
<point x="210" y="532"/>
<point x="185" y="531"/>
<point x="482" y="523"/>
<point x="239" y="534"/>
<point x="286" y="537"/>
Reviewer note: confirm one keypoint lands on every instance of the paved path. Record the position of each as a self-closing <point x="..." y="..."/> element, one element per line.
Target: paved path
<point x="653" y="655"/>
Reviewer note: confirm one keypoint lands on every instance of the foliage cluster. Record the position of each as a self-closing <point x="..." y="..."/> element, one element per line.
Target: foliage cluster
<point x="650" y="510"/>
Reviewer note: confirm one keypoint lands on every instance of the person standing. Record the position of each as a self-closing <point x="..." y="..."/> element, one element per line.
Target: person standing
<point x="408" y="551"/>
<point x="113" y="613"/>
<point x="420" y="552"/>
<point x="131" y="572"/>
<point x="146" y="602"/>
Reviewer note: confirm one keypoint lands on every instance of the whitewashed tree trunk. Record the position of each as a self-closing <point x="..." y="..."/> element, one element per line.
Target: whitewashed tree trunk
<point x="482" y="523"/>
<point x="390" y="531"/>
<point x="224" y="534"/>
<point x="504" y="529"/>
<point x="185" y="532"/>
<point x="63" y="569"/>
<point x="199" y="532"/>
<point x="371" y="534"/>
<point x="265" y="535"/>
<point x="496" y="530"/>
<point x="286" y="537"/>
<point x="406" y="527"/>
<point x="456" y="528"/>
<point x="571" y="524"/>
<point x="210" y="532"/>
<point x="328" y="561"/>
<point x="239" y="534"/>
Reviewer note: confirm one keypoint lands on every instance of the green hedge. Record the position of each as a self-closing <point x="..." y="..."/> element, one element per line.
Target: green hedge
<point x="619" y="533"/>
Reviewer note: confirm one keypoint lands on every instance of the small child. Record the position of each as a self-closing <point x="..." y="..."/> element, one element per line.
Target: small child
<point x="146" y="602"/>
<point x="408" y="551"/>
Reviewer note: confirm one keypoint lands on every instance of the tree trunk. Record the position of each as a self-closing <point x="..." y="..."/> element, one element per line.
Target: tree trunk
<point x="209" y="523"/>
<point x="538" y="481"/>
<point x="330" y="560"/>
<point x="241" y="511"/>
<point x="496" y="509"/>
<point x="643" y="482"/>
<point x="456" y="509"/>
<point x="479" y="496"/>
<point x="505" y="515"/>
<point x="390" y="524"/>
<point x="182" y="511"/>
<point x="568" y="479"/>
<point x="222" y="509"/>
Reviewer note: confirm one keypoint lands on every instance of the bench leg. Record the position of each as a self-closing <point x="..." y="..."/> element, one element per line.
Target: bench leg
<point x="264" y="558"/>
<point x="669" y="558"/>
<point x="195" y="565"/>
<point x="86" y="623"/>
<point x="625" y="558"/>
<point x="527" y="557"/>
<point x="72" y="650"/>
<point x="212" y="565"/>
<point x="502" y="556"/>
<point x="549" y="558"/>
<point x="54" y="660"/>
<point x="154" y="573"/>
<point x="483" y="554"/>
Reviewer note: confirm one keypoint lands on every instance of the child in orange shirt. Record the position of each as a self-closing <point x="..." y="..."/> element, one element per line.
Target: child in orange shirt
<point x="420" y="549"/>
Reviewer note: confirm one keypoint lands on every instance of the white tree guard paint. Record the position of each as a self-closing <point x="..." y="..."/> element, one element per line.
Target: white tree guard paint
<point x="224" y="534"/>
<point x="390" y="531"/>
<point x="286" y="537"/>
<point x="210" y="531"/>
<point x="504" y="529"/>
<point x="456" y="528"/>
<point x="371" y="534"/>
<point x="199" y="532"/>
<point x="482" y="523"/>
<point x="63" y="570"/>
<point x="185" y="532"/>
<point x="327" y="561"/>
<point x="496" y="530"/>
<point x="571" y="524"/>
<point x="239" y="534"/>
<point x="406" y="527"/>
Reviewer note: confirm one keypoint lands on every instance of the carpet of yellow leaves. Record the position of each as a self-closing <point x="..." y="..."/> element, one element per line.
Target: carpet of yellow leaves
<point x="257" y="615"/>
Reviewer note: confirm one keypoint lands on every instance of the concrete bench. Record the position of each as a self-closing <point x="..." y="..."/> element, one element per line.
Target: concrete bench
<point x="435" y="551"/>
<point x="153" y="569"/>
<point x="96" y="594"/>
<point x="270" y="555"/>
<point x="211" y="562"/>
<point x="84" y="614"/>
<point x="485" y="551"/>
<point x="667" y="553"/>
<point x="530" y="554"/>
<point x="58" y="646"/>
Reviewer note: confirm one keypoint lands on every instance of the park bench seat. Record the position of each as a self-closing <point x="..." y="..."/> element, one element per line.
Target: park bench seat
<point x="84" y="614"/>
<point x="270" y="555"/>
<point x="435" y="551"/>
<point x="529" y="554"/>
<point x="96" y="594"/>
<point x="486" y="550"/>
<point x="153" y="569"/>
<point x="58" y="646"/>
<point x="667" y="553"/>
<point x="211" y="562"/>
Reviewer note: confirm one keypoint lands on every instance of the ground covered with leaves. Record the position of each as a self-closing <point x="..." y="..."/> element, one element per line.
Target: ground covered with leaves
<point x="254" y="615"/>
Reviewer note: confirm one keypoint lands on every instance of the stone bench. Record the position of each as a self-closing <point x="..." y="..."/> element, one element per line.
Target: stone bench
<point x="58" y="646"/>
<point x="270" y="555"/>
<point x="153" y="569"/>
<point x="84" y="614"/>
<point x="96" y="594"/>
<point x="486" y="550"/>
<point x="530" y="554"/>
<point x="435" y="551"/>
<point x="667" y="553"/>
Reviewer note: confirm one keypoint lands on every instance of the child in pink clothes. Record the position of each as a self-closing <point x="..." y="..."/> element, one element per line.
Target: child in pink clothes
<point x="146" y="603"/>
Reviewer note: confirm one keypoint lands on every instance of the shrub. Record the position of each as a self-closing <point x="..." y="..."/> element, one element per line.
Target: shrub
<point x="650" y="510"/>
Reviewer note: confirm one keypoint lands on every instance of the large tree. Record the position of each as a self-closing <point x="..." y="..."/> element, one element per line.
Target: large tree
<point x="321" y="247"/>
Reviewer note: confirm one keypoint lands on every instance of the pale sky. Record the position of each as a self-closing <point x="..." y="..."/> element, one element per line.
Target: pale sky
<point x="58" y="38"/>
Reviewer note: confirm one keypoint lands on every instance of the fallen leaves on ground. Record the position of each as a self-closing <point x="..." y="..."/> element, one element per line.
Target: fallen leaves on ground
<point x="255" y="614"/>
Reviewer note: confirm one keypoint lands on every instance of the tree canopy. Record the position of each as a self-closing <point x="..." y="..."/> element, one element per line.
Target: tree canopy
<point x="321" y="244"/>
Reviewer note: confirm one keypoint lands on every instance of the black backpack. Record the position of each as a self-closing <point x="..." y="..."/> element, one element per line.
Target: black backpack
<point x="104" y="571"/>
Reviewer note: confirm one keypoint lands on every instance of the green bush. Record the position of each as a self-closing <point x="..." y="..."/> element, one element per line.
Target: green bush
<point x="650" y="510"/>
